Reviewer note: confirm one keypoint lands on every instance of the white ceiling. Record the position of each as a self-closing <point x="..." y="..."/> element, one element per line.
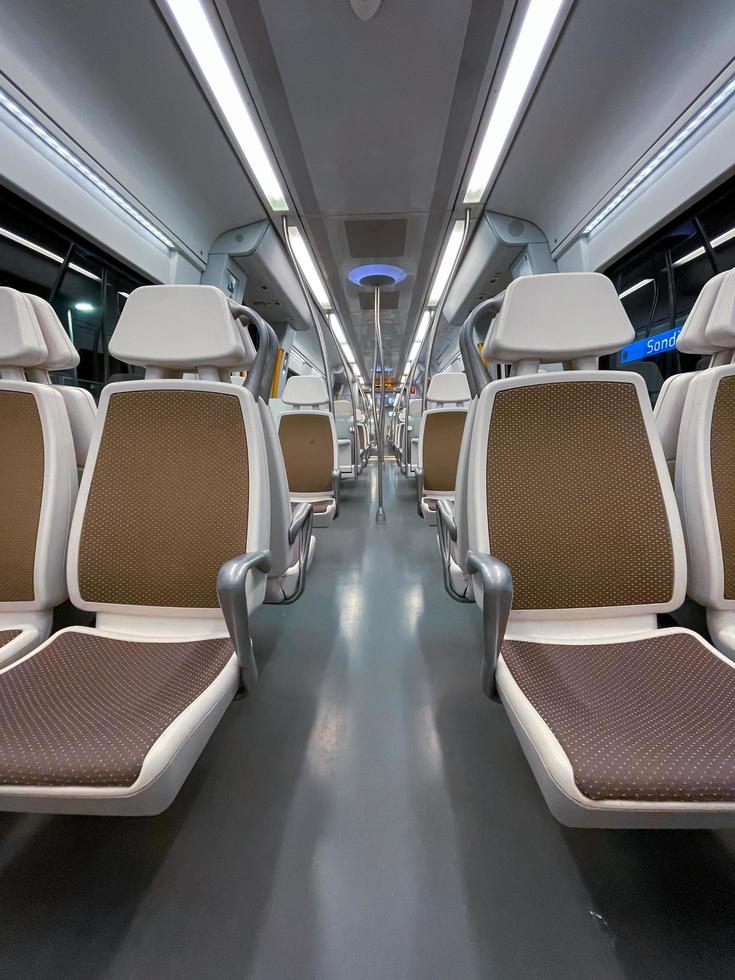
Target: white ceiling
<point x="372" y="121"/>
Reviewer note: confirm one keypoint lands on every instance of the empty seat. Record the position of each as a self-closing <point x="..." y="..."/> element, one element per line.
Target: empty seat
<point x="363" y="438"/>
<point x="692" y="340"/>
<point x="705" y="475"/>
<point x="572" y="514"/>
<point x="440" y="439"/>
<point x="452" y="516"/>
<point x="172" y="513"/>
<point x="291" y="542"/>
<point x="411" y="437"/>
<point x="38" y="484"/>
<point x="308" y="439"/>
<point x="344" y="424"/>
<point x="62" y="356"/>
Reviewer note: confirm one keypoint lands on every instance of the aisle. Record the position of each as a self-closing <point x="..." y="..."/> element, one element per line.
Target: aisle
<point x="367" y="814"/>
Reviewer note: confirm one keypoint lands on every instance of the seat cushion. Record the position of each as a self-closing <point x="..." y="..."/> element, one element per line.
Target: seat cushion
<point x="647" y="720"/>
<point x="86" y="709"/>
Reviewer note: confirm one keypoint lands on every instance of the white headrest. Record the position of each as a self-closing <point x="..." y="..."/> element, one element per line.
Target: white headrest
<point x="448" y="387"/>
<point x="181" y="327"/>
<point x="21" y="341"/>
<point x="558" y="317"/>
<point x="304" y="389"/>
<point x="62" y="354"/>
<point x="343" y="409"/>
<point x="710" y="327"/>
<point x="414" y="407"/>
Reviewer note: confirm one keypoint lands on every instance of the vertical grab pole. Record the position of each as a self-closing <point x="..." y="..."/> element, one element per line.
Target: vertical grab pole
<point x="379" y="416"/>
<point x="440" y="307"/>
<point x="314" y="316"/>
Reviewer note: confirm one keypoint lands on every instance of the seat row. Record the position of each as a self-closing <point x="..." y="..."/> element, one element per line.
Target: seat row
<point x="182" y="525"/>
<point x="565" y="529"/>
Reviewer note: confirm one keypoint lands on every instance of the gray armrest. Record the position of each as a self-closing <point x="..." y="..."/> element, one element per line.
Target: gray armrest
<point x="445" y="511"/>
<point x="234" y="604"/>
<point x="419" y="489"/>
<point x="336" y="484"/>
<point x="497" y="599"/>
<point x="299" y="515"/>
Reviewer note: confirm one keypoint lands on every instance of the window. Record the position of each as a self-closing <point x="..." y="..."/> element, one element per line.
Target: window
<point x="660" y="279"/>
<point x="86" y="287"/>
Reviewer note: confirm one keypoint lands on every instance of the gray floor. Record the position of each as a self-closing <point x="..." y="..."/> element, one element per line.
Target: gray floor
<point x="367" y="814"/>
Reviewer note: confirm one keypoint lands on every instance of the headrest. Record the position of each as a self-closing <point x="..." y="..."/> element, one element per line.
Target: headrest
<point x="710" y="327"/>
<point x="21" y="341"/>
<point x="342" y="409"/>
<point x="62" y="354"/>
<point x="414" y="407"/>
<point x="555" y="317"/>
<point x="304" y="389"/>
<point x="182" y="328"/>
<point x="448" y="387"/>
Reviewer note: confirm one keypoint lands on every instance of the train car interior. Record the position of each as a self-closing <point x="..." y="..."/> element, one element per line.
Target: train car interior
<point x="367" y="498"/>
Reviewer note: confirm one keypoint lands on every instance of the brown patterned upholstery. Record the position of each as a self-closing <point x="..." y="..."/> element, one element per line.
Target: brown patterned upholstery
<point x="86" y="709"/>
<point x="722" y="457"/>
<point x="574" y="502"/>
<point x="168" y="504"/>
<point x="21" y="493"/>
<point x="7" y="635"/>
<point x="442" y="441"/>
<point x="308" y="451"/>
<point x="650" y="719"/>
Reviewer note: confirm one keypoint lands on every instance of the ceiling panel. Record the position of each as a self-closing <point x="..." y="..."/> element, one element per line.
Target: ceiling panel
<point x="371" y="121"/>
<point x="620" y="75"/>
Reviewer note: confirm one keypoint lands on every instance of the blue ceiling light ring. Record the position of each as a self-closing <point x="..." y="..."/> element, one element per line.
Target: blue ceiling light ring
<point x="366" y="275"/>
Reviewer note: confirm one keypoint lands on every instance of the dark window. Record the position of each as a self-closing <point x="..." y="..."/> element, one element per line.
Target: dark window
<point x="86" y="287"/>
<point x="660" y="279"/>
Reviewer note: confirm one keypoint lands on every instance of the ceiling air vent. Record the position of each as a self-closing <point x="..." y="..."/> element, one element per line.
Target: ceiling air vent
<point x="376" y="238"/>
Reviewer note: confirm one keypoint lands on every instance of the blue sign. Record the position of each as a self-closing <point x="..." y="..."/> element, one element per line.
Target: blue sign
<point x="650" y="346"/>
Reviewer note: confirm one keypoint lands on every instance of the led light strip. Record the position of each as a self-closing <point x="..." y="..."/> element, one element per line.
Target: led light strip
<point x="46" y="137"/>
<point x="536" y="29"/>
<point x="207" y="50"/>
<point x="663" y="154"/>
<point x="40" y="250"/>
<point x="726" y="236"/>
<point x="635" y="288"/>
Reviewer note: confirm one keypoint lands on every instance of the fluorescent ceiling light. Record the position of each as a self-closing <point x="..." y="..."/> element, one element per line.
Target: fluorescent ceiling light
<point x="40" y="250"/>
<point x="529" y="47"/>
<point x="423" y="325"/>
<point x="726" y="236"/>
<point x="635" y="288"/>
<point x="194" y="25"/>
<point x="336" y="328"/>
<point x="46" y="137"/>
<point x="663" y="154"/>
<point x="307" y="266"/>
<point x="451" y="251"/>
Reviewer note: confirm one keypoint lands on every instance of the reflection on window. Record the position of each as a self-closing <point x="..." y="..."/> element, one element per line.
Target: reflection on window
<point x="659" y="281"/>
<point x="86" y="287"/>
